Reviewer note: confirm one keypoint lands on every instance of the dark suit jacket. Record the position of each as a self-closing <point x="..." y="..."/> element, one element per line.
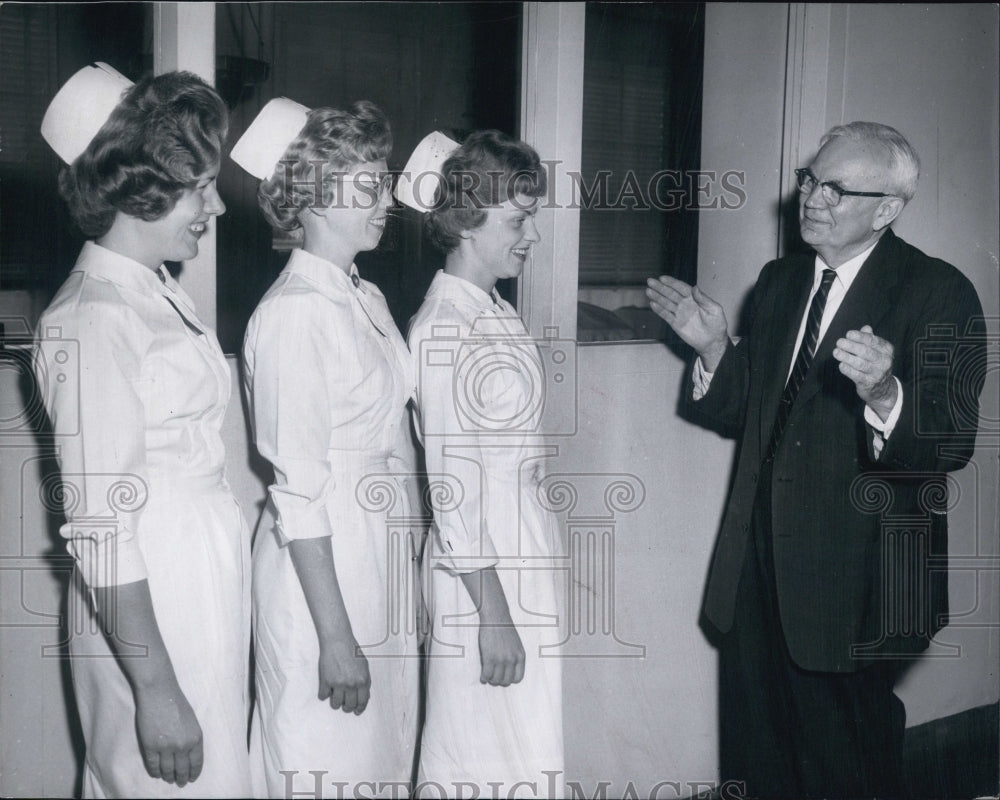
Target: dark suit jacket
<point x="859" y="544"/>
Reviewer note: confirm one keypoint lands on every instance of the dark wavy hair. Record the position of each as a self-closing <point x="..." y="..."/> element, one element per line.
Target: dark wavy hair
<point x="162" y="137"/>
<point x="488" y="169"/>
<point x="331" y="138"/>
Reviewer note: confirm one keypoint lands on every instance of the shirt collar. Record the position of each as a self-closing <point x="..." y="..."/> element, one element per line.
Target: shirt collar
<point x="325" y="273"/>
<point x="114" y="267"/>
<point x="846" y="272"/>
<point x="454" y="288"/>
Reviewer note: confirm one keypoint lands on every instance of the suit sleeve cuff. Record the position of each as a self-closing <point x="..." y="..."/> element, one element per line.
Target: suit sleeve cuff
<point x="886" y="428"/>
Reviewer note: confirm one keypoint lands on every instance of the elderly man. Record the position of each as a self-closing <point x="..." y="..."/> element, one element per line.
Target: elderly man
<point x="846" y="429"/>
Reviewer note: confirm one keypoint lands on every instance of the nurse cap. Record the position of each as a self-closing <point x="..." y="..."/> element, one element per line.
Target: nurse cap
<point x="276" y="126"/>
<point x="80" y="109"/>
<point x="415" y="188"/>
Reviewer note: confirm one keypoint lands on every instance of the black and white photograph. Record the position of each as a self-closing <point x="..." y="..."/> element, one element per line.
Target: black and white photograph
<point x="499" y="400"/>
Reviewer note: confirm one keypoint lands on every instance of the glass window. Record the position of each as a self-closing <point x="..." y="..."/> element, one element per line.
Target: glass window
<point x="639" y="181"/>
<point x="41" y="46"/>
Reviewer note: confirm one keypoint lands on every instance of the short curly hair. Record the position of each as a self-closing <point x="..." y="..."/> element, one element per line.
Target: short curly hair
<point x="488" y="169"/>
<point x="331" y="138"/>
<point x="166" y="132"/>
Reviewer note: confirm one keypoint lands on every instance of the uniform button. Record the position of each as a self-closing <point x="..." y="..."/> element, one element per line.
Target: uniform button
<point x="356" y="281"/>
<point x="753" y="478"/>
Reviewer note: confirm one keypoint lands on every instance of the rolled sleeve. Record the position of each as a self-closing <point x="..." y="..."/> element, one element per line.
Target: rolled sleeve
<point x="458" y="485"/>
<point x="452" y="551"/>
<point x="111" y="559"/>
<point x="291" y="410"/>
<point x="87" y="361"/>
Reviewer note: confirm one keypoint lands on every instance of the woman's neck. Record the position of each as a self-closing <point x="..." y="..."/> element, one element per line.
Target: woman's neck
<point x="327" y="248"/>
<point x="126" y="240"/>
<point x="456" y="264"/>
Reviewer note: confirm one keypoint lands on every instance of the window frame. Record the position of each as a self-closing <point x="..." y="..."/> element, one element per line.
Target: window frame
<point x="184" y="38"/>
<point x="552" y="122"/>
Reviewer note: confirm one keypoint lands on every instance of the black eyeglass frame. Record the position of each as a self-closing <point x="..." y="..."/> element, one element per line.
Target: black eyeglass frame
<point x="833" y="192"/>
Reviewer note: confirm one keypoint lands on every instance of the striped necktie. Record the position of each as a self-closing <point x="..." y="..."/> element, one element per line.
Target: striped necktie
<point x="803" y="360"/>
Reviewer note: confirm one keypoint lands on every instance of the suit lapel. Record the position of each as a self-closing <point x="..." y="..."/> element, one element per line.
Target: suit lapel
<point x="867" y="301"/>
<point x="788" y="304"/>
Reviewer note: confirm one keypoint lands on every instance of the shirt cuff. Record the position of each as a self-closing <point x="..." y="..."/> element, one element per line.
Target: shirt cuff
<point x="701" y="378"/>
<point x="457" y="557"/>
<point x="881" y="431"/>
<point x="298" y="518"/>
<point x="886" y="428"/>
<point x="105" y="558"/>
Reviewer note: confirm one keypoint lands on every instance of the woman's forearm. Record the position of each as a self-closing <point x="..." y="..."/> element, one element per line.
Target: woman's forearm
<point x="313" y="561"/>
<point x="127" y="617"/>
<point x="487" y="595"/>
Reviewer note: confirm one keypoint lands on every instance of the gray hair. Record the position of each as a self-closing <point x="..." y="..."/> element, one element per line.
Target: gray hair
<point x="904" y="163"/>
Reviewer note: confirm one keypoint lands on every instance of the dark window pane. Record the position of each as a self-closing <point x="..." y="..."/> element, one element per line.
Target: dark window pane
<point x="641" y="147"/>
<point x="41" y="46"/>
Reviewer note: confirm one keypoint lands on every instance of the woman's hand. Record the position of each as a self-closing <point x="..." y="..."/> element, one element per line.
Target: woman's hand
<point x="501" y="653"/>
<point x="170" y="738"/>
<point x="344" y="676"/>
<point x="343" y="668"/>
<point x="500" y="650"/>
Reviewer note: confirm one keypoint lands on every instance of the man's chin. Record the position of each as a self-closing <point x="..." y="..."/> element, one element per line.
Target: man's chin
<point x="810" y="234"/>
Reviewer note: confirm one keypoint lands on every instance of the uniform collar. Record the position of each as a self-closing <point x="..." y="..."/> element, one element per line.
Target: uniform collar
<point x="454" y="288"/>
<point x="325" y="273"/>
<point x="114" y="267"/>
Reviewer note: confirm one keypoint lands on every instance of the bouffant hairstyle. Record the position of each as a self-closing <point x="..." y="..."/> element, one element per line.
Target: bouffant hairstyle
<point x="332" y="140"/>
<point x="166" y="132"/>
<point x="488" y="169"/>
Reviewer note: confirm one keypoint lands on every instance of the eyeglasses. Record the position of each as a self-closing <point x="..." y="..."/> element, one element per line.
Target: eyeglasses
<point x="371" y="183"/>
<point x="832" y="192"/>
<point x="374" y="182"/>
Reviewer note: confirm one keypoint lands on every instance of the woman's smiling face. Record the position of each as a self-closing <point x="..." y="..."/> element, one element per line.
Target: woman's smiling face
<point x="174" y="237"/>
<point x="355" y="203"/>
<point x="499" y="247"/>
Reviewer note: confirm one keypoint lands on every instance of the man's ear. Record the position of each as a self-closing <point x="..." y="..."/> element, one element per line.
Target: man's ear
<point x="887" y="211"/>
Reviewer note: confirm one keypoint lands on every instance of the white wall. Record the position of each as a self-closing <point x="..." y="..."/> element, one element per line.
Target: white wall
<point x="654" y="719"/>
<point x="932" y="72"/>
<point x="36" y="751"/>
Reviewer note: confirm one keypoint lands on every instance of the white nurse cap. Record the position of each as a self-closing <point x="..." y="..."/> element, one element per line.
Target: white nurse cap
<point x="421" y="176"/>
<point x="277" y="125"/>
<point x="80" y="109"/>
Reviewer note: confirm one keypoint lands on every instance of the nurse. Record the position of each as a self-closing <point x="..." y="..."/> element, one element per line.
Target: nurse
<point x="494" y="703"/>
<point x="136" y="388"/>
<point x="329" y="377"/>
